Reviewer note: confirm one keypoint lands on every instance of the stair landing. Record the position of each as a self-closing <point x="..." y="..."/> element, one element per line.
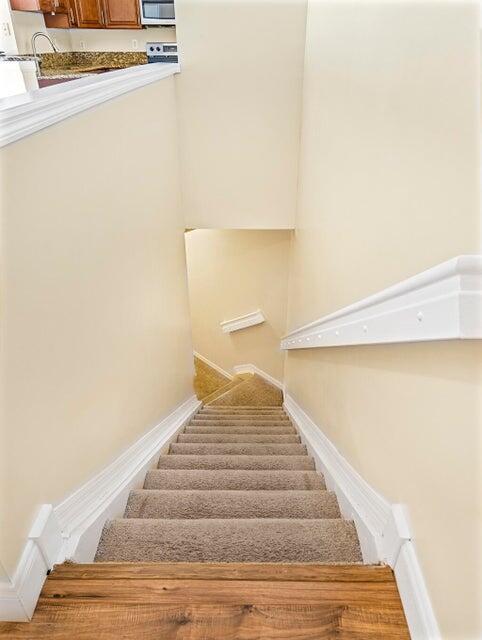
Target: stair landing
<point x="209" y="601"/>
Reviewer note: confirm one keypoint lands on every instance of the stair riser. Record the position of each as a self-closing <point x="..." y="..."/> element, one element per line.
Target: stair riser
<point x="252" y="430"/>
<point x="225" y="438"/>
<point x="238" y="449"/>
<point x="267" y="414"/>
<point x="240" y="416"/>
<point x="276" y="407"/>
<point x="236" y="416"/>
<point x="243" y="420"/>
<point x="243" y="423"/>
<point x="232" y="480"/>
<point x="231" y="504"/>
<point x="236" y="462"/>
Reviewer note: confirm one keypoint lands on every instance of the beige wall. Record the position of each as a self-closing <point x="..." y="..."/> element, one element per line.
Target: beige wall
<point x="95" y="315"/>
<point x="7" y="34"/>
<point x="389" y="186"/>
<point x="26" y="23"/>
<point x="231" y="273"/>
<point x="119" y="39"/>
<point x="239" y="111"/>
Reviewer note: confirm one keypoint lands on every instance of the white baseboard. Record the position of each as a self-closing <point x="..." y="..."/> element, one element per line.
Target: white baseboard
<point x="71" y="530"/>
<point x="19" y="596"/>
<point x="214" y="366"/>
<point x="252" y="368"/>
<point x="415" y="598"/>
<point x="382" y="527"/>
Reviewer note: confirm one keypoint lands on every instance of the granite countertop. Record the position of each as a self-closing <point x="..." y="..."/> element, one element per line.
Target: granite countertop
<point x="76" y="64"/>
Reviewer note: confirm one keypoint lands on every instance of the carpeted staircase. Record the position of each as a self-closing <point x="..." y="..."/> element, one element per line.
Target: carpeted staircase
<point x="237" y="486"/>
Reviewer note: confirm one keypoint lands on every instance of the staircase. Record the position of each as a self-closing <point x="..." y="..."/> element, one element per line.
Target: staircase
<point x="233" y="536"/>
<point x="237" y="486"/>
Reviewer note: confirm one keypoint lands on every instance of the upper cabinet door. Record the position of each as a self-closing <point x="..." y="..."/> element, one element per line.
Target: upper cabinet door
<point x="89" y="14"/>
<point x="32" y="5"/>
<point x="122" y="14"/>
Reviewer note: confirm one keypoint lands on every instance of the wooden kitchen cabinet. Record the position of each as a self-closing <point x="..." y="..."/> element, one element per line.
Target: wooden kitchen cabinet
<point x="85" y="14"/>
<point x="65" y="18"/>
<point x="89" y="14"/>
<point x="122" y="14"/>
<point x="107" y="14"/>
<point x="42" y="6"/>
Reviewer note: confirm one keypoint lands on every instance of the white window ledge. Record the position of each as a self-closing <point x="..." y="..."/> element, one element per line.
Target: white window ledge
<point x="442" y="303"/>
<point x="22" y="115"/>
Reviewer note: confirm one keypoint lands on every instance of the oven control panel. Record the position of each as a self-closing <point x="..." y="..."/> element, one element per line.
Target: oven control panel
<point x="162" y="52"/>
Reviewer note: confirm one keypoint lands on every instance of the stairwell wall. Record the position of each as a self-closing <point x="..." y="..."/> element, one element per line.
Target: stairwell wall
<point x="389" y="186"/>
<point x="95" y="330"/>
<point x="231" y="273"/>
<point x="240" y="111"/>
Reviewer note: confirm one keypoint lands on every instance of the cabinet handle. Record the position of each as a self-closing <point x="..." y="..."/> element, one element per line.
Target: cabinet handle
<point x="72" y="19"/>
<point x="102" y="17"/>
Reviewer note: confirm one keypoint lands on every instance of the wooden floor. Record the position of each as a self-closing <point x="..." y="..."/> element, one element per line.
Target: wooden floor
<point x="215" y="602"/>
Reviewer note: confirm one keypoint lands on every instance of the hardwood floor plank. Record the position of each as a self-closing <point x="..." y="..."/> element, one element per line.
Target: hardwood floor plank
<point x="162" y="591"/>
<point x="197" y="622"/>
<point x="223" y="571"/>
<point x="215" y="602"/>
<point x="358" y="623"/>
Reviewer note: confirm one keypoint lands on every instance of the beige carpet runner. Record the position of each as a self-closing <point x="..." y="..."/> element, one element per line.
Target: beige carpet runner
<point x="237" y="486"/>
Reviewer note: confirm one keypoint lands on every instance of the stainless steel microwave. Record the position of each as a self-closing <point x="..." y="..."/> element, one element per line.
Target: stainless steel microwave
<point x="157" y="12"/>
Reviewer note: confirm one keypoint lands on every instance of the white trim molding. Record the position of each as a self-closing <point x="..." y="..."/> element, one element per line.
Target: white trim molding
<point x="252" y="368"/>
<point x="383" y="528"/>
<point x="214" y="366"/>
<point x="22" y="115"/>
<point x="19" y="596"/>
<point x="71" y="530"/>
<point x="442" y="303"/>
<point x="242" y="322"/>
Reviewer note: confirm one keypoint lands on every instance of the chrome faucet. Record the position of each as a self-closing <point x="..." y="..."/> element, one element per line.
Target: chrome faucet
<point x="36" y="35"/>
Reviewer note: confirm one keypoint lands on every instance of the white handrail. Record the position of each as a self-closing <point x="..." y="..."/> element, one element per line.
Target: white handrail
<point x="441" y="303"/>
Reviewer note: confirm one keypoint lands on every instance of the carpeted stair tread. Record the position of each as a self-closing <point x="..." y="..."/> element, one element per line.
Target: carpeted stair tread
<point x="230" y="429"/>
<point x="237" y="448"/>
<point x="240" y="416"/>
<point x="234" y="407"/>
<point x="243" y="407"/>
<point x="221" y="391"/>
<point x="183" y="461"/>
<point x="240" y="421"/>
<point x="238" y="437"/>
<point x="228" y="411"/>
<point x="198" y="504"/>
<point x="233" y="480"/>
<point x="229" y="540"/>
